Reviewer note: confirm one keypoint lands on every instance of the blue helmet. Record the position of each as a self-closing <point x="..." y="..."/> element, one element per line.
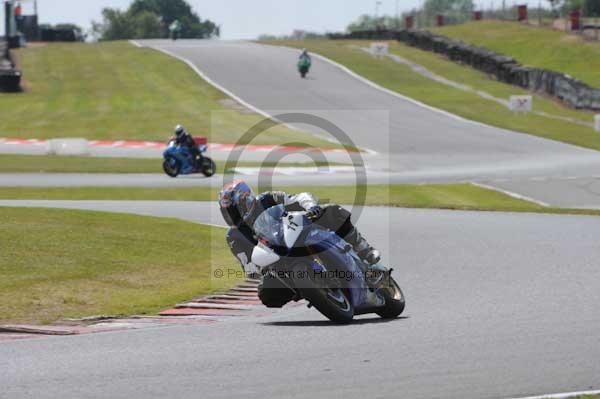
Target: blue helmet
<point x="236" y="201"/>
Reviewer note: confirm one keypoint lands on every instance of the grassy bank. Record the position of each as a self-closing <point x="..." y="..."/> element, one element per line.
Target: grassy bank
<point x="64" y="263"/>
<point x="58" y="164"/>
<point x="402" y="79"/>
<point x="434" y="196"/>
<point x="118" y="91"/>
<point x="532" y="46"/>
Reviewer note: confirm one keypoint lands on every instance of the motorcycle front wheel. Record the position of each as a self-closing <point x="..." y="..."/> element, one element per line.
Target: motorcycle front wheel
<point x="331" y="301"/>
<point x="172" y="167"/>
<point x="394" y="300"/>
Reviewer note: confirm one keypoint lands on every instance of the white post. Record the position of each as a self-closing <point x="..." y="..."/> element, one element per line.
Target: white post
<point x="379" y="50"/>
<point x="597" y="122"/>
<point x="521" y="104"/>
<point x="72" y="147"/>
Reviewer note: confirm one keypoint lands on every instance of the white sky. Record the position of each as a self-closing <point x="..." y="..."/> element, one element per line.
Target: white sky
<point x="245" y="19"/>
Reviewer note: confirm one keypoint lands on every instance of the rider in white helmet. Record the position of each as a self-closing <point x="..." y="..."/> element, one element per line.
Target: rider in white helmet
<point x="184" y="139"/>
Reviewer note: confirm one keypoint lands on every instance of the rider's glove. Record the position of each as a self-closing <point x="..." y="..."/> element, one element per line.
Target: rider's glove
<point x="315" y="212"/>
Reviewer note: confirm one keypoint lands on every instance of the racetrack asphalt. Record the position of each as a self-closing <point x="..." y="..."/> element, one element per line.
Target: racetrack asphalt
<point x="413" y="142"/>
<point x="498" y="305"/>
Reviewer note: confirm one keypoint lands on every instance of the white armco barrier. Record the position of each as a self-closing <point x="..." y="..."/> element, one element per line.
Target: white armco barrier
<point x="521" y="103"/>
<point x="380" y="49"/>
<point x="67" y="147"/>
<point x="597" y="122"/>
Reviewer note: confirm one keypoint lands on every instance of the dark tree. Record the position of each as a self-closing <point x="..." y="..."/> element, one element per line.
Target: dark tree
<point x="591" y="8"/>
<point x="151" y="19"/>
<point x="115" y="25"/>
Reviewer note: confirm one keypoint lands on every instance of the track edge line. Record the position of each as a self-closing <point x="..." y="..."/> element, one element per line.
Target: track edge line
<point x="511" y="194"/>
<point x="561" y="395"/>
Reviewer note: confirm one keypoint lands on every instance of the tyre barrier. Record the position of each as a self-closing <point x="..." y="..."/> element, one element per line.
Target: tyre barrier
<point x="503" y="68"/>
<point x="10" y="78"/>
<point x="60" y="35"/>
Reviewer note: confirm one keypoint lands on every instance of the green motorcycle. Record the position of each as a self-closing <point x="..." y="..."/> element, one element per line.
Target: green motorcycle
<point x="304" y="64"/>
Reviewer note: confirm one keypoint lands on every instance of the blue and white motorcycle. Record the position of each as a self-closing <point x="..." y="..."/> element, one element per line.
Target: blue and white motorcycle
<point x="320" y="267"/>
<point x="179" y="160"/>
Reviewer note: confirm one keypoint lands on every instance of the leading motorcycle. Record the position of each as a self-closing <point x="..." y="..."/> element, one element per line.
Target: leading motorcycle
<point x="317" y="265"/>
<point x="304" y="65"/>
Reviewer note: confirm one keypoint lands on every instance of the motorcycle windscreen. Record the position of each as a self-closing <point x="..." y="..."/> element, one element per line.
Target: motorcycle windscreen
<point x="269" y="227"/>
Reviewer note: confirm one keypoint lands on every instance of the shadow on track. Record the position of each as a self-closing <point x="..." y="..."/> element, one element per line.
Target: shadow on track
<point x="327" y="323"/>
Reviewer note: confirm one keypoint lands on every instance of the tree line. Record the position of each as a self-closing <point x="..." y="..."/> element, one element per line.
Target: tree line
<point x="150" y="19"/>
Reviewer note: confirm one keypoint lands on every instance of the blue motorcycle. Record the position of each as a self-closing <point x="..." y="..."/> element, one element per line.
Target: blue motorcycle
<point x="179" y="160"/>
<point x="315" y="264"/>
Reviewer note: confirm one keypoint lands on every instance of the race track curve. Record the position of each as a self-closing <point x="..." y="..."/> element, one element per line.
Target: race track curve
<point x="411" y="140"/>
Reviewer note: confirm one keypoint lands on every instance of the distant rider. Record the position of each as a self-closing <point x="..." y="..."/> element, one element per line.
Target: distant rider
<point x="240" y="209"/>
<point x="184" y="139"/>
<point x="304" y="55"/>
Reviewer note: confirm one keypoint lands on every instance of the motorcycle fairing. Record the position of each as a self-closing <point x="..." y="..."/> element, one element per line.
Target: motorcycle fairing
<point x="333" y="252"/>
<point x="184" y="156"/>
<point x="293" y="226"/>
<point x="263" y="256"/>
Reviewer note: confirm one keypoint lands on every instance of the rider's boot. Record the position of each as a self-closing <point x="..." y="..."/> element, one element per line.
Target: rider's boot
<point x="376" y="271"/>
<point x="362" y="248"/>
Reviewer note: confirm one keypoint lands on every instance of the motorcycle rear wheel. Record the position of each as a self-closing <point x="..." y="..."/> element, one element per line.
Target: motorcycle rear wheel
<point x="394" y="301"/>
<point x="208" y="167"/>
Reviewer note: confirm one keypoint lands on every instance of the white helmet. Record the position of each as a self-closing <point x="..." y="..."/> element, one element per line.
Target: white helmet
<point x="179" y="131"/>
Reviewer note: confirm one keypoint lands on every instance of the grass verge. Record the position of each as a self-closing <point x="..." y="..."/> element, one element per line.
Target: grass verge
<point x="436" y="196"/>
<point x="60" y="164"/>
<point x="538" y="47"/>
<point x="402" y="79"/>
<point x="113" y="90"/>
<point x="66" y="263"/>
